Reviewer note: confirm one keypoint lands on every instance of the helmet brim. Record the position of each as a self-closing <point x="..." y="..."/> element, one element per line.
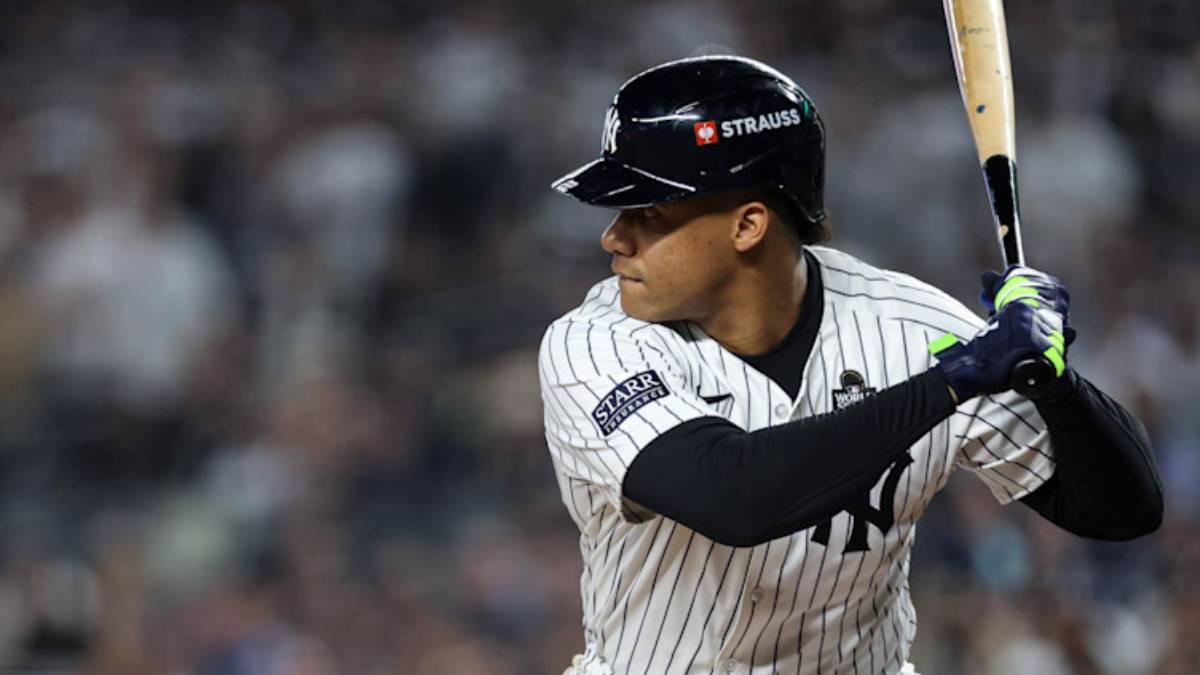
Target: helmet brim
<point x="609" y="183"/>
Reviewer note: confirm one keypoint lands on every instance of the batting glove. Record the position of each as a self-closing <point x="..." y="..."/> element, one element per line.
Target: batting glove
<point x="1026" y="285"/>
<point x="1018" y="331"/>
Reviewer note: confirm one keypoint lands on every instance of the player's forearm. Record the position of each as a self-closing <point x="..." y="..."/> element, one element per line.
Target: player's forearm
<point x="743" y="489"/>
<point x="1106" y="484"/>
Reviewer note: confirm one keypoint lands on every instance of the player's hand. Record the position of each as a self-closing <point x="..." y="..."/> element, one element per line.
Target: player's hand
<point x="1027" y="285"/>
<point x="1031" y="287"/>
<point x="1018" y="331"/>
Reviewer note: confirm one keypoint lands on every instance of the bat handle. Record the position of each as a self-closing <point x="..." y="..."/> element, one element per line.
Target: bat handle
<point x="1032" y="378"/>
<point x="1000" y="177"/>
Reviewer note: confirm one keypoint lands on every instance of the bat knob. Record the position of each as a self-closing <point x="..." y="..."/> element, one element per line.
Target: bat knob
<point x="1032" y="378"/>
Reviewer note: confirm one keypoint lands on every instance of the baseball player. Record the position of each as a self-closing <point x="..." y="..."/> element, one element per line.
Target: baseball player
<point x="746" y="426"/>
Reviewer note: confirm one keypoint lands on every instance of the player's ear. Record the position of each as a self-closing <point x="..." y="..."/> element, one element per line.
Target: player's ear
<point x="750" y="225"/>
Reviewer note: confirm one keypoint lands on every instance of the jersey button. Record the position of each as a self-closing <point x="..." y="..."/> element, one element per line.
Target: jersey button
<point x="731" y="665"/>
<point x="756" y="595"/>
<point x="781" y="411"/>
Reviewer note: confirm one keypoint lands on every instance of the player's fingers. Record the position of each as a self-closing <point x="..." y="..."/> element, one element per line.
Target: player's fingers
<point x="1052" y="293"/>
<point x="1062" y="303"/>
<point x="1019" y="287"/>
<point x="990" y="280"/>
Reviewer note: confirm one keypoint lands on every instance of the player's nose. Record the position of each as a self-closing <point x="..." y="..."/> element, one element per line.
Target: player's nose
<point x="618" y="236"/>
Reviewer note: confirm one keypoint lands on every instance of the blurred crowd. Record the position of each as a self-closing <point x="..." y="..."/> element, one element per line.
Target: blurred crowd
<point x="273" y="274"/>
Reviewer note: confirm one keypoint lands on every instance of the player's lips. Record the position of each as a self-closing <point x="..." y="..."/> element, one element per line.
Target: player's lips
<point x="626" y="277"/>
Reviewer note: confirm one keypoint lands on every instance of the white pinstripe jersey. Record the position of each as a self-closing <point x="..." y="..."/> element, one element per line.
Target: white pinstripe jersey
<point x="659" y="598"/>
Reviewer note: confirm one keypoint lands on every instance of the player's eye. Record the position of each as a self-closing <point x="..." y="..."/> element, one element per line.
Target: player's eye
<point x="654" y="217"/>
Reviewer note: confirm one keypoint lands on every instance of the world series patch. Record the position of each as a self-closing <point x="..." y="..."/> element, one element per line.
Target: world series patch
<point x="854" y="389"/>
<point x="626" y="398"/>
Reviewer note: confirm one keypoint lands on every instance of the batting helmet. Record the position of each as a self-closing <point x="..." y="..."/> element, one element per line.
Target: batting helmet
<point x="703" y="125"/>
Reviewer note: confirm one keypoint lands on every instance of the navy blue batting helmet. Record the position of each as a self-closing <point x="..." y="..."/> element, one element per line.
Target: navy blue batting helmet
<point x="703" y="125"/>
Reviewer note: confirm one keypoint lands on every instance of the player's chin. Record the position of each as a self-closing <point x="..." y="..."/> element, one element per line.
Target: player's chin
<point x="635" y="302"/>
<point x="633" y="308"/>
<point x="638" y="306"/>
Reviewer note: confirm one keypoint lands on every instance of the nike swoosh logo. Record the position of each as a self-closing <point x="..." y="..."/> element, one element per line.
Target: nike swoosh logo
<point x="716" y="399"/>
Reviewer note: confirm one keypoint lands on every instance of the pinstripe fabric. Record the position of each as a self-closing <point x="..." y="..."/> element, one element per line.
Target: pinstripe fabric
<point x="659" y="598"/>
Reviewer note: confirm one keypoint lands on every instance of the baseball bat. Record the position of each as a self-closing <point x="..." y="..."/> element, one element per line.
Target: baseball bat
<point x="979" y="43"/>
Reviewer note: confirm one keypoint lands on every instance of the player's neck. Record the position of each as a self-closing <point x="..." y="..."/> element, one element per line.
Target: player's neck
<point x="760" y="309"/>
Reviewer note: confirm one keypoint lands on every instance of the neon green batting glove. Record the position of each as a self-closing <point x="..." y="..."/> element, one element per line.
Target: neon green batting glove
<point x="1026" y="285"/>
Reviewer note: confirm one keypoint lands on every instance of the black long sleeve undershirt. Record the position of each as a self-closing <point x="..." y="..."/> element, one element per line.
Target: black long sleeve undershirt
<point x="744" y="489"/>
<point x="1106" y="484"/>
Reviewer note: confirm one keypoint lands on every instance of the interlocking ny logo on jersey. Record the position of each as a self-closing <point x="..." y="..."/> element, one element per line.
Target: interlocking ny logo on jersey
<point x="861" y="512"/>
<point x="854" y="389"/>
<point x="626" y="398"/>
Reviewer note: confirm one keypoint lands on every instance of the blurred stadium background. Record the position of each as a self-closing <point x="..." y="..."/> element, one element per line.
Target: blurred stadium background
<point x="273" y="274"/>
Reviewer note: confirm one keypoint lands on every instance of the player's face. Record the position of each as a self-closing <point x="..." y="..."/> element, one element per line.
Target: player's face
<point x="673" y="259"/>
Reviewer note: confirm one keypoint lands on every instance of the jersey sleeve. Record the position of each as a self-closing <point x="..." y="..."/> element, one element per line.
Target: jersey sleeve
<point x="607" y="394"/>
<point x="1005" y="443"/>
<point x="1001" y="438"/>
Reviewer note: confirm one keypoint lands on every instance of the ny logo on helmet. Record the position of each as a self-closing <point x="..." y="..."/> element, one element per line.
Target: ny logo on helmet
<point x="612" y="124"/>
